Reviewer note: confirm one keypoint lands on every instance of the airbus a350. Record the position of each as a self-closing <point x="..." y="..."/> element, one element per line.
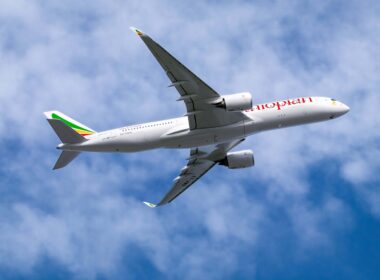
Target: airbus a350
<point x="213" y="125"/>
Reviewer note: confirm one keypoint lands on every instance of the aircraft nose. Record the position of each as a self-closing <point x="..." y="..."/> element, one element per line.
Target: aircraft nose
<point x="344" y="109"/>
<point x="341" y="109"/>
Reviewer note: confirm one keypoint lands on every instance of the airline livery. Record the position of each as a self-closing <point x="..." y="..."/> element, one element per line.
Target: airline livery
<point x="213" y="125"/>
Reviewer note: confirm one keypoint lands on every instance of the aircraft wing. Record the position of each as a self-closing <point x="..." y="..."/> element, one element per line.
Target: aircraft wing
<point x="200" y="161"/>
<point x="199" y="98"/>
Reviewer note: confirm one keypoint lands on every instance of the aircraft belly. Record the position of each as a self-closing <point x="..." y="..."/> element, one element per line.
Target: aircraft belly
<point x="125" y="142"/>
<point x="204" y="137"/>
<point x="137" y="142"/>
<point x="229" y="133"/>
<point x="157" y="138"/>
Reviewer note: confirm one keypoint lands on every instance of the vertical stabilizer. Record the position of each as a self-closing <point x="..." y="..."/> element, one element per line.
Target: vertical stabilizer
<point x="78" y="127"/>
<point x="65" y="133"/>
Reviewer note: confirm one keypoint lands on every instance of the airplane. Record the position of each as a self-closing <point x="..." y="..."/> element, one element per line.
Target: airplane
<point x="213" y="125"/>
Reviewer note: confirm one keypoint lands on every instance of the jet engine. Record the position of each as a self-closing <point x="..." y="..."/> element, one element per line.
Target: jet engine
<point x="236" y="102"/>
<point x="240" y="159"/>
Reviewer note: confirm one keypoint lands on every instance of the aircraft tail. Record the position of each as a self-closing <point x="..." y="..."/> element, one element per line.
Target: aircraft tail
<point x="65" y="126"/>
<point x="69" y="131"/>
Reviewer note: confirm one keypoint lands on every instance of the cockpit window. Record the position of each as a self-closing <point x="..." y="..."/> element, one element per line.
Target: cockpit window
<point x="332" y="99"/>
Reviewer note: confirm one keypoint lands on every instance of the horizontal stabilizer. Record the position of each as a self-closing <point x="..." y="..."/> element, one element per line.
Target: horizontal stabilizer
<point x="151" y="205"/>
<point x="65" y="133"/>
<point x="65" y="158"/>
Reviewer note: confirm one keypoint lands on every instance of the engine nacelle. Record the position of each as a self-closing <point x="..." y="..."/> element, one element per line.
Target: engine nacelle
<point x="240" y="159"/>
<point x="236" y="102"/>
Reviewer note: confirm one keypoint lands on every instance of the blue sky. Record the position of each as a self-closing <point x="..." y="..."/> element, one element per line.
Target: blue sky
<point x="310" y="208"/>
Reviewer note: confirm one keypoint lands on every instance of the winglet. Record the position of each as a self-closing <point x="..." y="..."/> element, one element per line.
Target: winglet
<point x="151" y="205"/>
<point x="138" y="32"/>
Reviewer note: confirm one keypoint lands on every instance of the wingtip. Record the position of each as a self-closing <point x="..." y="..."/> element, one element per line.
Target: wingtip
<point x="151" y="205"/>
<point x="137" y="31"/>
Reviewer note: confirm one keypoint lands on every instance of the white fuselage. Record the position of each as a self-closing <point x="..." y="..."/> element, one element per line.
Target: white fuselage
<point x="175" y="133"/>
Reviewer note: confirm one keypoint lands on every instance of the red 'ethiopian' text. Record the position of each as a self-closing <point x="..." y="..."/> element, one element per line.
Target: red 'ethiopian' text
<point x="280" y="104"/>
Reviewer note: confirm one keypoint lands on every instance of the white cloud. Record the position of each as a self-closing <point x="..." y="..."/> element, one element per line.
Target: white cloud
<point x="83" y="60"/>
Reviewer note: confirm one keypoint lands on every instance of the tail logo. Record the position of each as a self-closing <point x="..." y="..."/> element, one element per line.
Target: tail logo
<point x="78" y="129"/>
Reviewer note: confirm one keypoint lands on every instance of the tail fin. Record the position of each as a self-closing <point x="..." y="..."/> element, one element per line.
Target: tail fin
<point x="65" y="158"/>
<point x="70" y="132"/>
<point x="79" y="128"/>
<point x="65" y="133"/>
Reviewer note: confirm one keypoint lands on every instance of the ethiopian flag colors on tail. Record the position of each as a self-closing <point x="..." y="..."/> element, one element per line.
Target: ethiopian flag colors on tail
<point x="73" y="124"/>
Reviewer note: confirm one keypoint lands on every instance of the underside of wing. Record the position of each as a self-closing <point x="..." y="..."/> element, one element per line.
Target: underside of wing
<point x="193" y="172"/>
<point x="199" y="162"/>
<point x="199" y="98"/>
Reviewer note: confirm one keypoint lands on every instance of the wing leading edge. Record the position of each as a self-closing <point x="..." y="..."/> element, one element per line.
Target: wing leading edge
<point x="199" y="162"/>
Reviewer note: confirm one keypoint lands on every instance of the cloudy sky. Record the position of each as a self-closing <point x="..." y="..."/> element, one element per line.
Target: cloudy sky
<point x="310" y="208"/>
